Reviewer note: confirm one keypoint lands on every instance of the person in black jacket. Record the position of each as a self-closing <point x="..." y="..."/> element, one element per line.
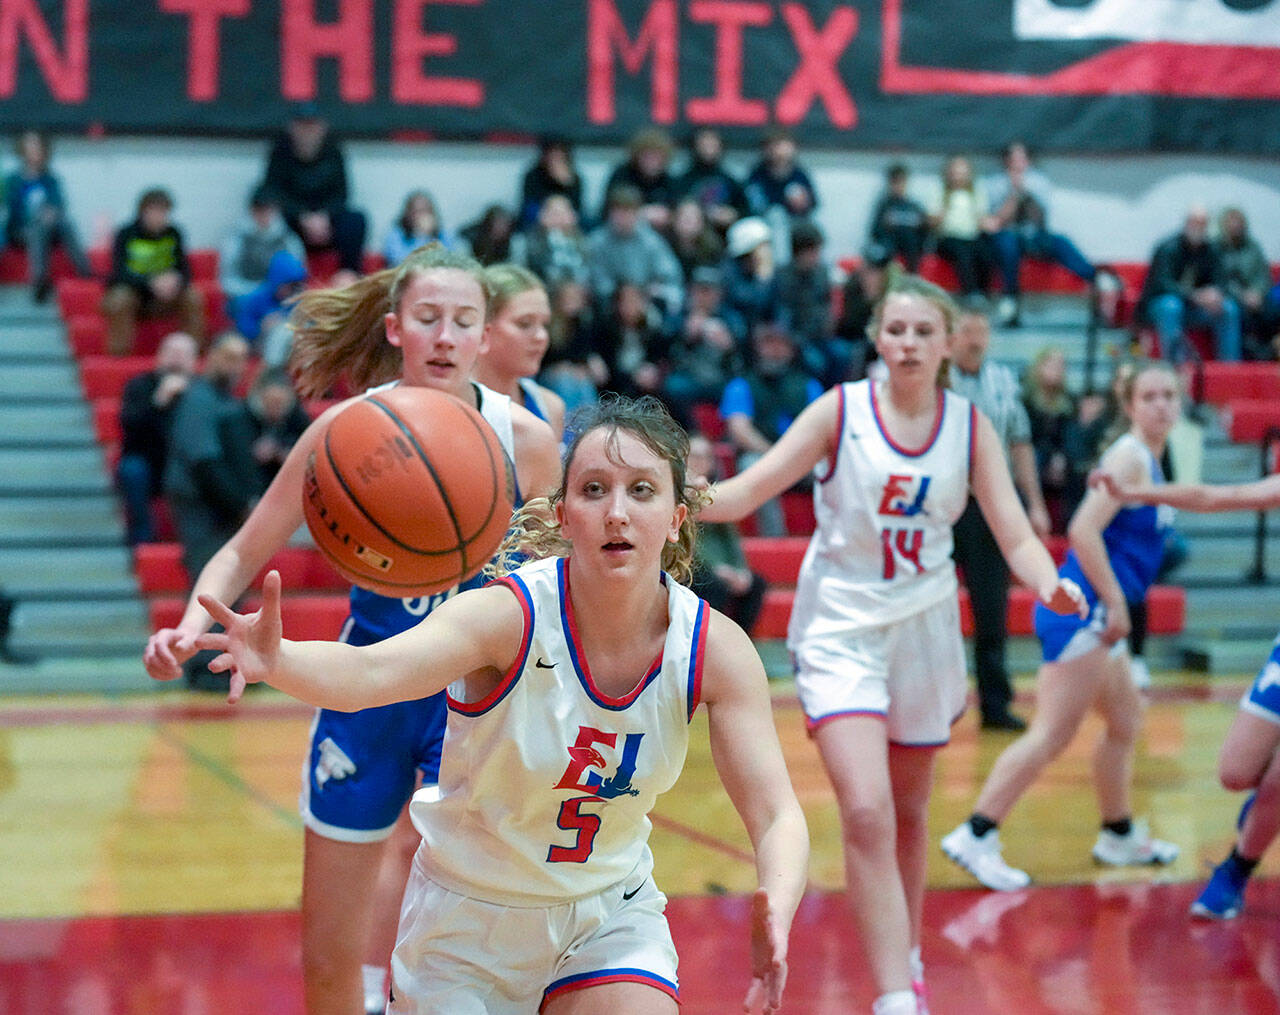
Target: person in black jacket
<point x="718" y="192"/>
<point x="553" y="173"/>
<point x="146" y="413"/>
<point x="150" y="276"/>
<point x="899" y="223"/>
<point x="307" y="172"/>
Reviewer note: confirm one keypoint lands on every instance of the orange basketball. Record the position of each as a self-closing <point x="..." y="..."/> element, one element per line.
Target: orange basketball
<point x="408" y="492"/>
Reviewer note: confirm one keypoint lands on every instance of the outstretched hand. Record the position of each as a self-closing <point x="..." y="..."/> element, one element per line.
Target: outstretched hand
<point x="249" y="645"/>
<point x="1066" y="597"/>
<point x="166" y="652"/>
<point x="768" y="958"/>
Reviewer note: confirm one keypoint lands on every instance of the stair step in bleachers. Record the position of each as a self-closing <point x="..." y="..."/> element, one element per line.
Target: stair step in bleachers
<point x="35" y="341"/>
<point x="305" y="617"/>
<point x="71" y="628"/>
<point x="66" y="573"/>
<point x="35" y="425"/>
<point x="52" y="471"/>
<point x="25" y="382"/>
<point x="60" y="521"/>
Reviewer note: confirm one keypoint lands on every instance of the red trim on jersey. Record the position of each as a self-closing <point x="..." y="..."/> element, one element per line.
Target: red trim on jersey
<point x="973" y="431"/>
<point x="937" y="424"/>
<point x="812" y="724"/>
<point x="697" y="656"/>
<point x="835" y="454"/>
<point x="517" y="666"/>
<point x="610" y="976"/>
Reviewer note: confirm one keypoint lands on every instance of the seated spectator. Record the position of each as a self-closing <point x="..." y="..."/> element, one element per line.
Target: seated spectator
<point x="1052" y="412"/>
<point x="899" y="223"/>
<point x="632" y="342"/>
<point x="694" y="242"/>
<point x="626" y="249"/>
<point x="1020" y="198"/>
<point x="718" y="193"/>
<point x="308" y="173"/>
<point x="1186" y="287"/>
<point x="417" y="225"/>
<point x="706" y="347"/>
<point x="262" y="315"/>
<point x="961" y="221"/>
<point x="37" y="214"/>
<point x="648" y="169"/>
<point x="804" y="294"/>
<point x="488" y="238"/>
<point x="862" y="290"/>
<point x="246" y="254"/>
<point x="1247" y="279"/>
<point x="759" y="405"/>
<point x="571" y="366"/>
<point x="553" y="174"/>
<point x="779" y="190"/>
<point x="553" y="248"/>
<point x="150" y="276"/>
<point x="276" y="419"/>
<point x="750" y="276"/>
<point x="721" y="575"/>
<point x="146" y="414"/>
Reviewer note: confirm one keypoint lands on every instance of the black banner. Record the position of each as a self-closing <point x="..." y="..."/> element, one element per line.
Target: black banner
<point x="1066" y="75"/>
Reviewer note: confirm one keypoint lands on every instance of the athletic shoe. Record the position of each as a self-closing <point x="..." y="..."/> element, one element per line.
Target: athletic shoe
<point x="981" y="858"/>
<point x="1139" y="673"/>
<point x="1136" y="848"/>
<point x="1223" y="896"/>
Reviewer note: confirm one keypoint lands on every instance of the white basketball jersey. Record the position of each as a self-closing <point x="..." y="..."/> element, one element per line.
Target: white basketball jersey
<point x="546" y="783"/>
<point x="882" y="547"/>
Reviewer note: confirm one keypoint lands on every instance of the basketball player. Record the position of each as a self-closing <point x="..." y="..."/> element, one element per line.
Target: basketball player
<point x="1115" y="556"/>
<point x="572" y="682"/>
<point x="875" y="630"/>
<point x="1250" y="758"/>
<point x="424" y="322"/>
<point x="516" y="339"/>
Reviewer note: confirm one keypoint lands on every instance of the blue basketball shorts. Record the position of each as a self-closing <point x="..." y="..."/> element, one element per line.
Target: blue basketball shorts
<point x="1263" y="697"/>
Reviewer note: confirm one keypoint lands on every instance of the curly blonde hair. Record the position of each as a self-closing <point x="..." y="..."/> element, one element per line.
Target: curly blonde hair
<point x="342" y="332"/>
<point x="535" y="534"/>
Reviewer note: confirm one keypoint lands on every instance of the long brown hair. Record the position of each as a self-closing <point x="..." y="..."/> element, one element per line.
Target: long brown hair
<point x="342" y="332"/>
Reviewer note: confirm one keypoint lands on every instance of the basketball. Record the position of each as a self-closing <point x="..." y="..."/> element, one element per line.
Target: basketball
<point x="408" y="492"/>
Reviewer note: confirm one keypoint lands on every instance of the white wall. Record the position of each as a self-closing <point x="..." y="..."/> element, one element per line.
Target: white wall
<point x="1115" y="207"/>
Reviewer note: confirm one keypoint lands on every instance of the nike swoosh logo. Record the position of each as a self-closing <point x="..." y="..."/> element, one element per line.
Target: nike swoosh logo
<point x="543" y="665"/>
<point x="627" y="896"/>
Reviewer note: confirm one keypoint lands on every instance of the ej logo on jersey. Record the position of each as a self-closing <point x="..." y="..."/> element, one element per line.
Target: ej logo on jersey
<point x="583" y="756"/>
<point x="903" y="496"/>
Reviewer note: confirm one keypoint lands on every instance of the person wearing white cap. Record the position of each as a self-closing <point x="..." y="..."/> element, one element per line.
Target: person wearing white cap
<point x="750" y="277"/>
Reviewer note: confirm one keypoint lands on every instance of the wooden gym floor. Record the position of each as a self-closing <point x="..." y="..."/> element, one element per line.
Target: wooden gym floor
<point x="150" y="856"/>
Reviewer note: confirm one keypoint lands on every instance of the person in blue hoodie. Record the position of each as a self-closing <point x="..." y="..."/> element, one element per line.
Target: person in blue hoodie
<point x="261" y="314"/>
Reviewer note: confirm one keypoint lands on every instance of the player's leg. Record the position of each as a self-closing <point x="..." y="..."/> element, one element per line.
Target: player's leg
<point x="388" y="893"/>
<point x="612" y="998"/>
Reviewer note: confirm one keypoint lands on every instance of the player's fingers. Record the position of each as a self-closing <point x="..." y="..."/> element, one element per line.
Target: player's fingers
<point x="237" y="687"/>
<point x="220" y="612"/>
<point x="222" y="663"/>
<point x="215" y="641"/>
<point x="271" y="594"/>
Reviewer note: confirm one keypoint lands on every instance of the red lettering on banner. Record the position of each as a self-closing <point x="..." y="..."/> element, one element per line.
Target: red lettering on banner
<point x="410" y="46"/>
<point x="204" y="41"/>
<point x="816" y="77"/>
<point x="728" y="105"/>
<point x="349" y="40"/>
<point x="659" y="35"/>
<point x="66" y="74"/>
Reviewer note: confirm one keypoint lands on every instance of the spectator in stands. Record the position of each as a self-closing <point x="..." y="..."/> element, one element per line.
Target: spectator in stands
<point x="717" y="191"/>
<point x="993" y="388"/>
<point x="706" y="347"/>
<point x="961" y="221"/>
<point x="146" y="414"/>
<point x="1186" y="287"/>
<point x="863" y="289"/>
<point x="37" y="214"/>
<point x="759" y="405"/>
<point x="552" y="174"/>
<point x="626" y="249"/>
<point x="1020" y="198"/>
<point x="693" y="240"/>
<point x="308" y="173"/>
<point x="750" y="275"/>
<point x="262" y="316"/>
<point x="488" y="238"/>
<point x="1052" y="412"/>
<point x="417" y="225"/>
<point x="275" y="420"/>
<point x="1247" y="279"/>
<point x="899" y="223"/>
<point x="246" y="254"/>
<point x="648" y="169"/>
<point x="721" y="574"/>
<point x="150" y="276"/>
<point x="572" y="367"/>
<point x="553" y="248"/>
<point x="633" y="342"/>
<point x="211" y="479"/>
<point x="804" y="295"/>
<point x="778" y="180"/>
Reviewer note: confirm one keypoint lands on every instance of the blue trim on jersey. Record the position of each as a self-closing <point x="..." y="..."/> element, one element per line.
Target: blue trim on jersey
<point x="835" y="454"/>
<point x="579" y="660"/>
<point x="512" y="676"/>
<point x="696" y="657"/>
<point x="529" y="393"/>
<point x="621" y="973"/>
<point x="907" y="452"/>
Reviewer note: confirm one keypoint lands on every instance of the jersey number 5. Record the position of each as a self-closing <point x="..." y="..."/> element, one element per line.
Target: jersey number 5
<point x="571" y="818"/>
<point x="904" y="543"/>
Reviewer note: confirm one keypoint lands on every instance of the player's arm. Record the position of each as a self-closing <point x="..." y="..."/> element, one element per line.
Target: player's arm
<point x="1260" y="495"/>
<point x="807" y="441"/>
<point x="474" y="633"/>
<point x="748" y="757"/>
<point x="537" y="454"/>
<point x="1027" y="558"/>
<point x="227" y="575"/>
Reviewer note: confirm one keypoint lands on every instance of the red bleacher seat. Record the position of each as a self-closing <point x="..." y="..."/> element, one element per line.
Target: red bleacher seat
<point x="707" y="420"/>
<point x="78" y="297"/>
<point x="1251" y="418"/>
<point x="100" y="261"/>
<point x="305" y="617"/>
<point x="105" y="376"/>
<point x="302" y="568"/>
<point x="15" y="268"/>
<point x="322" y="264"/>
<point x="203" y="264"/>
<point x="87" y="335"/>
<point x="1225" y="382"/>
<point x="106" y="420"/>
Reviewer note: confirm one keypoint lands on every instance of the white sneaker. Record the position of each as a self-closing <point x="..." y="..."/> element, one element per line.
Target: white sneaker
<point x="981" y="858"/>
<point x="1139" y="673"/>
<point x="1136" y="848"/>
